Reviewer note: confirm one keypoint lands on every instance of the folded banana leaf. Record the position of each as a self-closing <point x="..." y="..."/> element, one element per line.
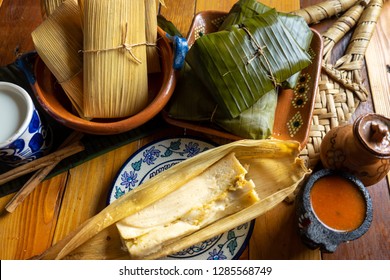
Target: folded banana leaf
<point x="191" y="101"/>
<point x="241" y="65"/>
<point x="296" y="25"/>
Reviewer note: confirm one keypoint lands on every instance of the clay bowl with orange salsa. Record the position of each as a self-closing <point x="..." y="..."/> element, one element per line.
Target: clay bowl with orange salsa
<point x="333" y="207"/>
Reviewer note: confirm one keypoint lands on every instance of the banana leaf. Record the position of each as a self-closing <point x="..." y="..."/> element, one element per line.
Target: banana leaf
<point x="191" y="101"/>
<point x="296" y="25"/>
<point x="241" y="65"/>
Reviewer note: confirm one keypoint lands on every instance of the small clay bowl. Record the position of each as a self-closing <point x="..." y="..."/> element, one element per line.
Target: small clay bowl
<point x="333" y="207"/>
<point x="55" y="102"/>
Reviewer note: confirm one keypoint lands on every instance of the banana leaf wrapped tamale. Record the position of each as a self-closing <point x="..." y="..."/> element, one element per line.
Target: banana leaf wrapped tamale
<point x="255" y="123"/>
<point x="241" y="65"/>
<point x="296" y="25"/>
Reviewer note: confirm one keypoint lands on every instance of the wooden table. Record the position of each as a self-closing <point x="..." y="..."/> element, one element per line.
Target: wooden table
<point x="59" y="205"/>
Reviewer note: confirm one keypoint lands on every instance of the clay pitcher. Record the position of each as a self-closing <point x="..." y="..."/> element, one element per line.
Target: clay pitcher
<point x="361" y="148"/>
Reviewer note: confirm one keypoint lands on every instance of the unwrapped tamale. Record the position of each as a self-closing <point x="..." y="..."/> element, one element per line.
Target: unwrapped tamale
<point x="219" y="191"/>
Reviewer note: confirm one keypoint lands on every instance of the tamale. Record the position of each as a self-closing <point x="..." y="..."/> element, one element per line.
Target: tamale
<point x="151" y="36"/>
<point x="295" y="25"/>
<point x="275" y="170"/>
<point x="191" y="101"/>
<point x="115" y="66"/>
<point x="58" y="41"/>
<point x="217" y="192"/>
<point x="241" y="65"/>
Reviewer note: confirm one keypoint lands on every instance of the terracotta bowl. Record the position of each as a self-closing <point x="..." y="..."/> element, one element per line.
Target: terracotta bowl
<point x="55" y="102"/>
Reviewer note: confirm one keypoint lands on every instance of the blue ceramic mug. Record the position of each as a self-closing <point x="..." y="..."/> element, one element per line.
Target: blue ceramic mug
<point x="23" y="134"/>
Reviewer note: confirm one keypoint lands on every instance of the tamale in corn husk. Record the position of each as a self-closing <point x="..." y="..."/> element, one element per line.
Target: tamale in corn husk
<point x="152" y="55"/>
<point x="240" y="65"/>
<point x="269" y="161"/>
<point x="115" y="67"/>
<point x="58" y="41"/>
<point x="219" y="191"/>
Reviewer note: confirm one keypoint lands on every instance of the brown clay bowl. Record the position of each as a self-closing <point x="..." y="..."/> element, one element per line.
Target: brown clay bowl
<point x="55" y="102"/>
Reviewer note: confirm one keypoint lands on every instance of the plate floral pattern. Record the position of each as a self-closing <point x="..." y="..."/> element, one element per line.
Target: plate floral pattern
<point x="160" y="155"/>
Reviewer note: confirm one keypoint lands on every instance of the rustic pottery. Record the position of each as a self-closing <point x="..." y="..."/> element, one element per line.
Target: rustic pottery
<point x="53" y="100"/>
<point x="361" y="148"/>
<point x="312" y="229"/>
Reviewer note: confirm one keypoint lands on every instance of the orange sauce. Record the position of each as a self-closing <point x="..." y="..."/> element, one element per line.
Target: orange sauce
<point x="338" y="203"/>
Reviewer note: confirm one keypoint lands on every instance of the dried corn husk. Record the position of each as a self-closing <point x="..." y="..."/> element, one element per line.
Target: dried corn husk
<point x="273" y="166"/>
<point x="151" y="36"/>
<point x="323" y="10"/>
<point x="48" y="6"/>
<point x="58" y="41"/>
<point x="115" y="67"/>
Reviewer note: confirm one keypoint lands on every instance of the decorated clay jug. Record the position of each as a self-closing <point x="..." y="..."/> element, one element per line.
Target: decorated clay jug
<point x="361" y="148"/>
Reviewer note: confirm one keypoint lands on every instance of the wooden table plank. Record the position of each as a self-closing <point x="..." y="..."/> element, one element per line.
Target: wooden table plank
<point x="30" y="228"/>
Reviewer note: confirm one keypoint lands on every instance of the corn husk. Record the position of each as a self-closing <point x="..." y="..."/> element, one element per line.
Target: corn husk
<point x="58" y="41"/>
<point x="241" y="65"/>
<point x="151" y="36"/>
<point x="48" y="6"/>
<point x="273" y="166"/>
<point x="115" y="67"/>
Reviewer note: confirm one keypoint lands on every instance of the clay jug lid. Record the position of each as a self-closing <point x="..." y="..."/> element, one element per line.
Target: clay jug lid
<point x="373" y="131"/>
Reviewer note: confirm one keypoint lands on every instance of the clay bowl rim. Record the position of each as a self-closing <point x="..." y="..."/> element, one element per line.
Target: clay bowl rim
<point x="70" y="120"/>
<point x="330" y="238"/>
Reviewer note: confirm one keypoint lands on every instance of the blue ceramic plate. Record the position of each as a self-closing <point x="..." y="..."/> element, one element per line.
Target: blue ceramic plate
<point x="160" y="155"/>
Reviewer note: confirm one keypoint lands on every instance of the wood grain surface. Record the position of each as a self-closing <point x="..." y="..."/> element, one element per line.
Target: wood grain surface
<point x="59" y="205"/>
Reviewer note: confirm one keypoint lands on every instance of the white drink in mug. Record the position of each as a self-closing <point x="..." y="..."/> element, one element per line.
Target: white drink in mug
<point x="13" y="112"/>
<point x="23" y="137"/>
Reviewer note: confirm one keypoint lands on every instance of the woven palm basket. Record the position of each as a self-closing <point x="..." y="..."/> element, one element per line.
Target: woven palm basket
<point x="340" y="88"/>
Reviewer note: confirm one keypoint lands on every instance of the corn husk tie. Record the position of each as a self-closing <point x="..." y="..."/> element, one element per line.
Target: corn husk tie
<point x="115" y="68"/>
<point x="123" y="45"/>
<point x="273" y="166"/>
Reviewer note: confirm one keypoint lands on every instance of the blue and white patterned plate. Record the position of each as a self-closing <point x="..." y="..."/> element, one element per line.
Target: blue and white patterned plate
<point x="160" y="155"/>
